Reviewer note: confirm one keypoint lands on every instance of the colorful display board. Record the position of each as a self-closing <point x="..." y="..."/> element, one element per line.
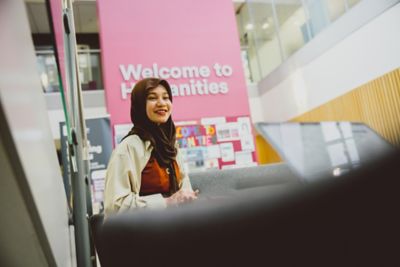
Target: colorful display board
<point x="211" y="143"/>
<point x="217" y="143"/>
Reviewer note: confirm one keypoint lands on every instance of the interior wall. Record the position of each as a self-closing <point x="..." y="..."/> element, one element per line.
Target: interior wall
<point x="377" y="104"/>
<point x="20" y="242"/>
<point x="40" y="214"/>
<point x="368" y="53"/>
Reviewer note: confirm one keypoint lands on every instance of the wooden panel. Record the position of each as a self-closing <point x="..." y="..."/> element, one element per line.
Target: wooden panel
<point x="376" y="104"/>
<point x="265" y="153"/>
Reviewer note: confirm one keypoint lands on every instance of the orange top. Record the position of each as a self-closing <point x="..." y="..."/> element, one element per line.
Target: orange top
<point x="155" y="179"/>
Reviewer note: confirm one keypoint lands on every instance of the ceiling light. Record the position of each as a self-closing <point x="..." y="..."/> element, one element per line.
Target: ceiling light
<point x="249" y="26"/>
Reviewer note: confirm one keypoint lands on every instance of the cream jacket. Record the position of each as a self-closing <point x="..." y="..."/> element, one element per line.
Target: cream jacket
<point x="123" y="177"/>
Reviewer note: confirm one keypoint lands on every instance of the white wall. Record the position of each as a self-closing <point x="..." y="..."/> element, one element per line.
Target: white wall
<point x="368" y="53"/>
<point x="29" y="160"/>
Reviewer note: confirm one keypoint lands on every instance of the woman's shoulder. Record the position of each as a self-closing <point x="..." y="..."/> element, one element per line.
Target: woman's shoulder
<point x="131" y="139"/>
<point x="132" y="143"/>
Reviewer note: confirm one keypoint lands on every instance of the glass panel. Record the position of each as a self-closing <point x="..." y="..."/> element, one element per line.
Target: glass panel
<point x="316" y="150"/>
<point x="90" y="70"/>
<point x="266" y="37"/>
<point x="48" y="73"/>
<point x="247" y="42"/>
<point x="293" y="29"/>
<point x="42" y="35"/>
<point x="336" y="8"/>
<point x="258" y="35"/>
<point x="318" y="15"/>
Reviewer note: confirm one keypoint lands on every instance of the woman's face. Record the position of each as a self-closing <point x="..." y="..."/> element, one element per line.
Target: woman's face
<point x="158" y="105"/>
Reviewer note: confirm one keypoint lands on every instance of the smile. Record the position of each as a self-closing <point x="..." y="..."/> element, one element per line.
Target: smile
<point x="161" y="112"/>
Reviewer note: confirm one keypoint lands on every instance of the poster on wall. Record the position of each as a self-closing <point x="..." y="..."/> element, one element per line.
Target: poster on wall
<point x="211" y="143"/>
<point x="100" y="148"/>
<point x="218" y="144"/>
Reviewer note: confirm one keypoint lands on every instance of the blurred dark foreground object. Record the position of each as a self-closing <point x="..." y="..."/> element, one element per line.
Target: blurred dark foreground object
<point x="346" y="221"/>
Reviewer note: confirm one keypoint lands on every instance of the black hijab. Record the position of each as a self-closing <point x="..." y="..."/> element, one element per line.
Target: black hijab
<point x="162" y="137"/>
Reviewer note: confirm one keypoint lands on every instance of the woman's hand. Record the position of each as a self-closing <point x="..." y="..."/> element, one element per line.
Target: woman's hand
<point x="182" y="196"/>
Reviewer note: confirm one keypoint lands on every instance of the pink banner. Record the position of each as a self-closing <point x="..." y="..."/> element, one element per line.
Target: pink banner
<point x="192" y="44"/>
<point x="58" y="27"/>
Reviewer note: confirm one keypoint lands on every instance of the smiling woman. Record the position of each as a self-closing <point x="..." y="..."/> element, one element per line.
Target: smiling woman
<point x="158" y="105"/>
<point x="145" y="169"/>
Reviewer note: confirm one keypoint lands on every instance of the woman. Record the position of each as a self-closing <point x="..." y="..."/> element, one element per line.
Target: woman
<point x="145" y="169"/>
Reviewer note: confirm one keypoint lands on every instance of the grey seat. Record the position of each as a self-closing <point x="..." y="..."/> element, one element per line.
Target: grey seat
<point x="228" y="182"/>
<point x="96" y="223"/>
<point x="349" y="221"/>
<point x="220" y="185"/>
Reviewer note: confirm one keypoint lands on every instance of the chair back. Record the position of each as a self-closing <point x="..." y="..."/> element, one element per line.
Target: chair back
<point x="96" y="222"/>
